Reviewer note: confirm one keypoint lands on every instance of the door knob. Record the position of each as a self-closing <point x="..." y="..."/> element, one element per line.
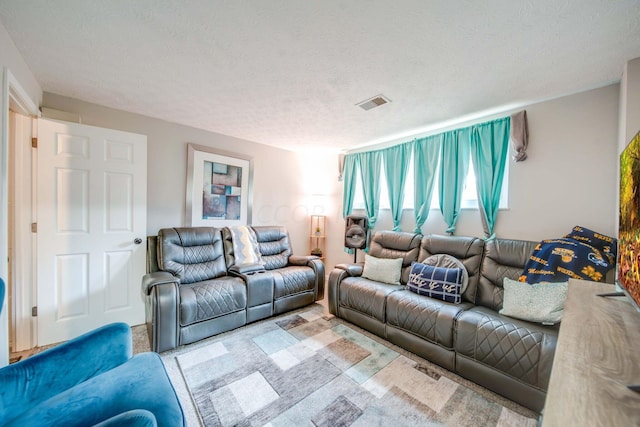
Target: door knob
<point x="137" y="240"/>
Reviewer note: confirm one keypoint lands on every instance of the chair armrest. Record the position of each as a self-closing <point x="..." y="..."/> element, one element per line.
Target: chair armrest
<point x="301" y="260"/>
<point x="31" y="381"/>
<point x="353" y="270"/>
<point x="337" y="275"/>
<point x="157" y="278"/>
<point x="318" y="270"/>
<point x="239" y="270"/>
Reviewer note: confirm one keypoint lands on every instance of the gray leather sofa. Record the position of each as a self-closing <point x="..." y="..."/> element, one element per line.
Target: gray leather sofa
<point x="509" y="356"/>
<point x="193" y="290"/>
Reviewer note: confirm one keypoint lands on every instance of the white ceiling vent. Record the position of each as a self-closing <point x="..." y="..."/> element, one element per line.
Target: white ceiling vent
<point x="374" y="102"/>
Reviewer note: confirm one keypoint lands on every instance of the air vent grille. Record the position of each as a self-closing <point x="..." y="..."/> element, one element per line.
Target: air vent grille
<point x="374" y="102"/>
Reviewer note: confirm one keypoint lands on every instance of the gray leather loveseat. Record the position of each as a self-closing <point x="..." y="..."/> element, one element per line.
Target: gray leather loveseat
<point x="509" y="356"/>
<point x="194" y="290"/>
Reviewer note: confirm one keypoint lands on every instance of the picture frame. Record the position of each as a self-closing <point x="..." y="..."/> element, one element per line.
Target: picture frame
<point x="219" y="187"/>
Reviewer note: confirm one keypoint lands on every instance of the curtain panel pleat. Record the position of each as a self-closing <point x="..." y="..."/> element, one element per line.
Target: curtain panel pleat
<point x="455" y="165"/>
<point x="396" y="164"/>
<point x="348" y="175"/>
<point x="426" y="156"/>
<point x="369" y="164"/>
<point x="349" y="184"/>
<point x="489" y="147"/>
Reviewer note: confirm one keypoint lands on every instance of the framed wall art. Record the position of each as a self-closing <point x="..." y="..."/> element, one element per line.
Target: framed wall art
<point x="219" y="187"/>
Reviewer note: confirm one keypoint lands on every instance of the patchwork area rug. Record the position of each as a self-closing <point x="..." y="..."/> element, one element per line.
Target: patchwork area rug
<point x="306" y="369"/>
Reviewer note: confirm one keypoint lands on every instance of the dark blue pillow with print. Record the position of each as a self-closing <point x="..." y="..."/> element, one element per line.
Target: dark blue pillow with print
<point x="436" y="282"/>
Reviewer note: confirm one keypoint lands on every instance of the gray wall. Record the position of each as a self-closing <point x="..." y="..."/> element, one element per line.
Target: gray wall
<point x="280" y="190"/>
<point x="569" y="177"/>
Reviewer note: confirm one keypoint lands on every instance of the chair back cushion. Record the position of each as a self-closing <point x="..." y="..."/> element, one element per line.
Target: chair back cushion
<point x="192" y="254"/>
<point x="469" y="250"/>
<point x="274" y="245"/>
<point x="503" y="258"/>
<point x="395" y="244"/>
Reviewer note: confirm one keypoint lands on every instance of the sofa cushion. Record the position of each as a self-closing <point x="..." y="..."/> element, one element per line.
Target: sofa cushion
<point x="517" y="348"/>
<point x="274" y="245"/>
<point x="440" y="283"/>
<point x="469" y="250"/>
<point x="211" y="298"/>
<point x="292" y="280"/>
<point x="385" y="270"/>
<point x="539" y="302"/>
<point x="448" y="261"/>
<point x="503" y="258"/>
<point x="192" y="254"/>
<point x="395" y="244"/>
<point x="365" y="296"/>
<point x="428" y="318"/>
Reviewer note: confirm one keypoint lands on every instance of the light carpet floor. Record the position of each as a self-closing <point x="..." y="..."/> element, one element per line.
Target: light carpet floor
<point x="308" y="368"/>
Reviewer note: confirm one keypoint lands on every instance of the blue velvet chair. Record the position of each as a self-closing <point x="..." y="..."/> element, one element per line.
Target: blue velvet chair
<point x="90" y="380"/>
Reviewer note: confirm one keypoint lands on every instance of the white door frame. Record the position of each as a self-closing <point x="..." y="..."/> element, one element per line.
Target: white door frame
<point x="15" y="97"/>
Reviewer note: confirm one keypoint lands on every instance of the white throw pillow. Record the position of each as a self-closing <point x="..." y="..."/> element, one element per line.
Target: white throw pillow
<point x="540" y="302"/>
<point x="385" y="270"/>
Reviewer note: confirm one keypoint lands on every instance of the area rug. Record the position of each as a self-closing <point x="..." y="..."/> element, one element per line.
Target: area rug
<point x="310" y="369"/>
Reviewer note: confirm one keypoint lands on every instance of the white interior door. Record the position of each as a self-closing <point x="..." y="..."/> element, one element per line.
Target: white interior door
<point x="91" y="226"/>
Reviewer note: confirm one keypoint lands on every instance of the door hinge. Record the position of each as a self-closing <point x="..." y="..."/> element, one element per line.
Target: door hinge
<point x="34" y="227"/>
<point x="34" y="142"/>
<point x="34" y="311"/>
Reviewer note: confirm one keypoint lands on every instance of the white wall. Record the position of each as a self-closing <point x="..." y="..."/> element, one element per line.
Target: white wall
<point x="10" y="61"/>
<point x="569" y="177"/>
<point x="281" y="178"/>
<point x="630" y="103"/>
<point x="11" y="58"/>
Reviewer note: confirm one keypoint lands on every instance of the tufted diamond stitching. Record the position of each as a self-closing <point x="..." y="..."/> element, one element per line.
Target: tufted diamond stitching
<point x="214" y="299"/>
<point x="295" y="280"/>
<point x="274" y="248"/>
<point x="509" y="348"/>
<point x="419" y="318"/>
<point x="273" y="262"/>
<point x="197" y="254"/>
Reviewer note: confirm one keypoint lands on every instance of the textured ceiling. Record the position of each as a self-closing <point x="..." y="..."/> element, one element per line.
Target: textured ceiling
<point x="288" y="73"/>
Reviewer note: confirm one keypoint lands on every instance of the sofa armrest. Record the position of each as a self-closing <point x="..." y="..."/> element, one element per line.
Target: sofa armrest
<point x="353" y="270"/>
<point x="301" y="260"/>
<point x="337" y="275"/>
<point x="162" y="313"/>
<point x="318" y="270"/>
<point x="240" y="270"/>
<point x="157" y="278"/>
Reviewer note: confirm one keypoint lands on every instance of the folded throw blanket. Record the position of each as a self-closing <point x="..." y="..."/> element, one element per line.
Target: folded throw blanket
<point x="245" y="246"/>
<point x="574" y="256"/>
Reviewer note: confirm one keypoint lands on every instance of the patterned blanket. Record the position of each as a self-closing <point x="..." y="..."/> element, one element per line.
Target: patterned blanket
<point x="581" y="254"/>
<point x="245" y="246"/>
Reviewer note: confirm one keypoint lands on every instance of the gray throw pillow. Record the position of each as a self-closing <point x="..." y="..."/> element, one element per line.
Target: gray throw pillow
<point x="448" y="261"/>
<point x="541" y="302"/>
<point x="385" y="270"/>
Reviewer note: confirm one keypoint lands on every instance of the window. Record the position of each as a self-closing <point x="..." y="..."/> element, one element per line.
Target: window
<point x="469" y="195"/>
